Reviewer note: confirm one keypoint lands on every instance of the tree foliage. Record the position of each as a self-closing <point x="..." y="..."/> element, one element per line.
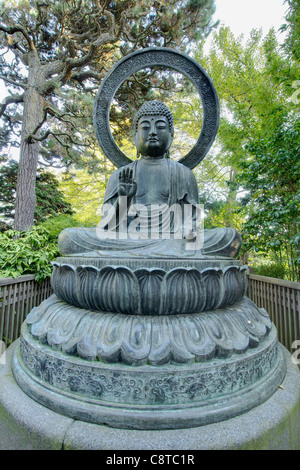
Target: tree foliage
<point x="258" y="142"/>
<point x="85" y="192"/>
<point x="272" y="178"/>
<point x="292" y="28"/>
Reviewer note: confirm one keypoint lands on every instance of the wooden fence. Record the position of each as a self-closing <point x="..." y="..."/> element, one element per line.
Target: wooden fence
<point x="17" y="298"/>
<point x="280" y="298"/>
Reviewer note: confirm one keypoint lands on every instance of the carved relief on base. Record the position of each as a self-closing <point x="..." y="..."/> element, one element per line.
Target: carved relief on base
<point x="147" y="384"/>
<point x="149" y="397"/>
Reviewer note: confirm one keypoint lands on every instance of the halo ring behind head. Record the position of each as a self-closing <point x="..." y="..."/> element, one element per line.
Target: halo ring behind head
<point x="153" y="57"/>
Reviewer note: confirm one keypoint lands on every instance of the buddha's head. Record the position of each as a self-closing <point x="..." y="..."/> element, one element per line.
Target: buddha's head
<point x="154" y="129"/>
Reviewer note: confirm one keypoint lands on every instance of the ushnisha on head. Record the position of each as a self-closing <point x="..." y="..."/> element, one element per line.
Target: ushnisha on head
<point x="154" y="129"/>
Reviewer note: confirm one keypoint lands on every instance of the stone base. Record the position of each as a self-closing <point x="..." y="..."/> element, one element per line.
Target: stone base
<point x="27" y="425"/>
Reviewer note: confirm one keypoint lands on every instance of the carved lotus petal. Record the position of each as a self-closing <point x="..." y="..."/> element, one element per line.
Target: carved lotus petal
<point x="218" y="334"/>
<point x="182" y="291"/>
<point x="136" y="340"/>
<point x="73" y="344"/>
<point x="233" y="285"/>
<point x="63" y="327"/>
<point x="64" y="282"/>
<point x="244" y="279"/>
<point x="117" y="290"/>
<point x="241" y="338"/>
<point x="150" y="281"/>
<point x="86" y="286"/>
<point x="200" y="343"/>
<point x="256" y="323"/>
<point x="214" y="287"/>
<point x="160" y="343"/>
<point x="40" y="328"/>
<point x="109" y="346"/>
<point x="37" y="312"/>
<point x="180" y="353"/>
<point x="90" y="333"/>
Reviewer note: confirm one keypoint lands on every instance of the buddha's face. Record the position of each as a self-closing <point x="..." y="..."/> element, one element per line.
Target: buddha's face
<point x="153" y="137"/>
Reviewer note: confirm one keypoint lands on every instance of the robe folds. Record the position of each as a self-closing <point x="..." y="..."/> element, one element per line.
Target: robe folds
<point x="182" y="192"/>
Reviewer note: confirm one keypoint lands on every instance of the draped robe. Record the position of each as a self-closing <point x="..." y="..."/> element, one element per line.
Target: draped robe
<point x="182" y="190"/>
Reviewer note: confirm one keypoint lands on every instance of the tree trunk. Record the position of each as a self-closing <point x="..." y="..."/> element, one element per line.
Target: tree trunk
<point x="29" y="150"/>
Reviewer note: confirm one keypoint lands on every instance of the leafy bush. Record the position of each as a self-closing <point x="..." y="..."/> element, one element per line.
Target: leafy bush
<point x="32" y="251"/>
<point x="55" y="225"/>
<point x="270" y="269"/>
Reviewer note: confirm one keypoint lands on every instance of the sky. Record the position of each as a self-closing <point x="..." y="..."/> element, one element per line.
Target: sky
<point x="244" y="15"/>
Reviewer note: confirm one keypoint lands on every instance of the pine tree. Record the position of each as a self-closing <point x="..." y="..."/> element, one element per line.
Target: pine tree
<point x="50" y="199"/>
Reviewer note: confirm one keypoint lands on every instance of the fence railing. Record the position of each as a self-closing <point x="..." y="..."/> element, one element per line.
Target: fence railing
<point x="281" y="299"/>
<point x="17" y="298"/>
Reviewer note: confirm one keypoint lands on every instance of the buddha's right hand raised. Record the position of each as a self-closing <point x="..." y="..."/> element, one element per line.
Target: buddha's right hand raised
<point x="127" y="185"/>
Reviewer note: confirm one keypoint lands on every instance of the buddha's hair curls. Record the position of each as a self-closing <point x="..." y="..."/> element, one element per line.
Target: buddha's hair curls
<point x="154" y="108"/>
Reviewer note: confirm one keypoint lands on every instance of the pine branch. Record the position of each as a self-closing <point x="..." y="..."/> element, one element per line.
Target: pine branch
<point x="10" y="100"/>
<point x="54" y="113"/>
<point x="56" y="136"/>
<point x="12" y="82"/>
<point x="53" y="68"/>
<point x="87" y="75"/>
<point x="18" y="29"/>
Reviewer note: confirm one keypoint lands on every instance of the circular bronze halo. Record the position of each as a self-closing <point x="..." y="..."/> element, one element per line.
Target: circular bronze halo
<point x="161" y="57"/>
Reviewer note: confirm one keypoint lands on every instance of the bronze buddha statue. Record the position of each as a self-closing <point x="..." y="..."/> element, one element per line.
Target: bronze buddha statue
<point x="145" y="204"/>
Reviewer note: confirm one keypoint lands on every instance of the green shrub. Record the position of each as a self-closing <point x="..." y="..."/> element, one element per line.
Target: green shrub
<point x="32" y="251"/>
<point x="55" y="225"/>
<point x="270" y="269"/>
